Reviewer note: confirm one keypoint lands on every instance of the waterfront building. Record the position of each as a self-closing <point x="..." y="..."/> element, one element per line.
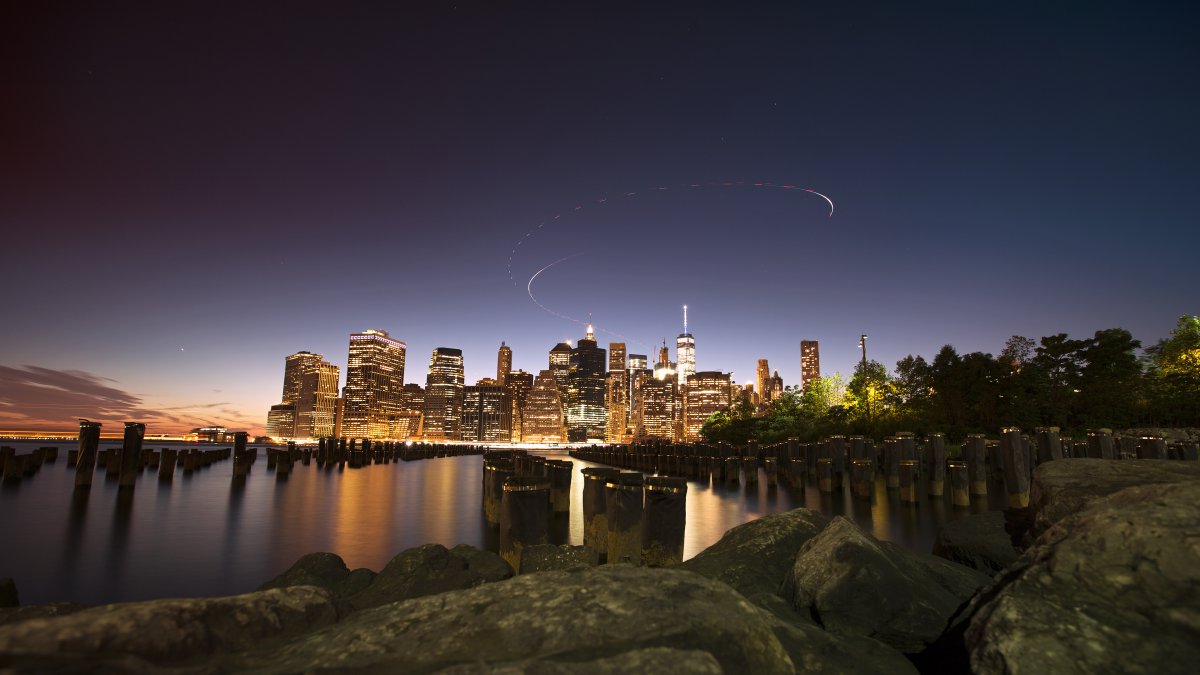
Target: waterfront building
<point x="519" y="384"/>
<point x="587" y="417"/>
<point x="311" y="385"/>
<point x="374" y="385"/>
<point x="542" y="419"/>
<point x="339" y="414"/>
<point x="685" y="353"/>
<point x="443" y="395"/>
<point x="281" y="422"/>
<point x="810" y="362"/>
<point x="707" y="392"/>
<point x="776" y="386"/>
<point x="659" y="398"/>
<point x="503" y="363"/>
<point x="487" y="414"/>
<point x="616" y="399"/>
<point x="762" y="381"/>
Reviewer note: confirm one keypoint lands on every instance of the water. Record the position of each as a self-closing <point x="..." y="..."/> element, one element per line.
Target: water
<point x="200" y="535"/>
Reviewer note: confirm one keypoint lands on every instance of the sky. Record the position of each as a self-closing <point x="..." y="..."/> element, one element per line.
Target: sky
<point x="193" y="191"/>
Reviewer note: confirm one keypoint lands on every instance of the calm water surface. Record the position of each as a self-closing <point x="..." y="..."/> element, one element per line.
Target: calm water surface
<point x="201" y="535"/>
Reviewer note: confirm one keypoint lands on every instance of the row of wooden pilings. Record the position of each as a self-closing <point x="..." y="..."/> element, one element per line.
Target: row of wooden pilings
<point x="627" y="517"/>
<point x="854" y="461"/>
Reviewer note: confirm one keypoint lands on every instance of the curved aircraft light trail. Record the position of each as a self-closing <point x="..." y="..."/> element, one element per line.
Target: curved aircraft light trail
<point x="604" y="200"/>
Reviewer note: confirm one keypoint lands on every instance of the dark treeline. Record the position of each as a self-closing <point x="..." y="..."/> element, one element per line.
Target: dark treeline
<point x="1104" y="381"/>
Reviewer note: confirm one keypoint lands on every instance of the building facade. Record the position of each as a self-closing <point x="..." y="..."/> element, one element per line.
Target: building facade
<point x="587" y="416"/>
<point x="374" y="390"/>
<point x="311" y="385"/>
<point x="519" y="384"/>
<point x="281" y="422"/>
<point x="707" y="392"/>
<point x="443" y="403"/>
<point x="762" y="380"/>
<point x="616" y="390"/>
<point x="503" y="363"/>
<point x="542" y="419"/>
<point x="487" y="414"/>
<point x="810" y="362"/>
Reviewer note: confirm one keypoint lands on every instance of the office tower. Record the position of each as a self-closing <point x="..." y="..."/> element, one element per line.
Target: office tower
<point x="637" y="382"/>
<point x="706" y="393"/>
<point x="762" y="382"/>
<point x="776" y="386"/>
<point x="659" y="412"/>
<point x="443" y="394"/>
<point x="751" y="395"/>
<point x="486" y="382"/>
<point x="339" y="415"/>
<point x="664" y="365"/>
<point x="519" y="385"/>
<point x="281" y="422"/>
<point x="810" y="362"/>
<point x="587" y="417"/>
<point x="616" y="389"/>
<point x="638" y="362"/>
<point x="542" y="419"/>
<point x="311" y="385"/>
<point x="685" y="352"/>
<point x="616" y="356"/>
<point x="487" y="414"/>
<point x="503" y="363"/>
<point x="374" y="384"/>
<point x="560" y="364"/>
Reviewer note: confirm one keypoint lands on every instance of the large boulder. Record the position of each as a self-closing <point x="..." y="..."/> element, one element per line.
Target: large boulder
<point x="978" y="541"/>
<point x="1114" y="588"/>
<point x="325" y="570"/>
<point x="852" y="583"/>
<point x="165" y="632"/>
<point x="431" y="569"/>
<point x="548" y="557"/>
<point x="1065" y="487"/>
<point x="754" y="557"/>
<point x="655" y="660"/>
<point x="583" y="616"/>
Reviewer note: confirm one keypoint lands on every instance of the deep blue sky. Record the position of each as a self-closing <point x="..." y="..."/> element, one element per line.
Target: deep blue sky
<point x="192" y="191"/>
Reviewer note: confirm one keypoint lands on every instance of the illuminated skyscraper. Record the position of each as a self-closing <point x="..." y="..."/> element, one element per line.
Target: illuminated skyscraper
<point x="776" y="386"/>
<point x="616" y="356"/>
<point x="660" y="400"/>
<point x="810" y="362"/>
<point x="444" y="395"/>
<point x="587" y="417"/>
<point x="706" y="393"/>
<point x="560" y="365"/>
<point x="542" y="418"/>
<point x="664" y="364"/>
<point x="487" y="414"/>
<point x="617" y="401"/>
<point x="762" y="383"/>
<point x="374" y="390"/>
<point x="519" y="384"/>
<point x="281" y="422"/>
<point x="503" y="363"/>
<point x="685" y="352"/>
<point x="638" y="362"/>
<point x="311" y="385"/>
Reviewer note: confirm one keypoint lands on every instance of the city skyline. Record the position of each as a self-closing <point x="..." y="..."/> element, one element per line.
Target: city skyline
<point x="996" y="170"/>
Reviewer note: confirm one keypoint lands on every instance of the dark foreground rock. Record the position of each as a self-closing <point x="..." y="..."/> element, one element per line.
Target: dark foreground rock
<point x="600" y="617"/>
<point x="855" y="584"/>
<point x="1065" y="487"/>
<point x="548" y="557"/>
<point x="978" y="541"/>
<point x="754" y="557"/>
<point x="1114" y="588"/>
<point x="325" y="570"/>
<point x="428" y="570"/>
<point x="164" y="632"/>
<point x="15" y="614"/>
<point x="652" y="661"/>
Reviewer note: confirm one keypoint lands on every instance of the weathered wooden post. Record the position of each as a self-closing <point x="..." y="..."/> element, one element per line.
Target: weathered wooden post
<point x="908" y="481"/>
<point x="825" y="474"/>
<point x="862" y="478"/>
<point x="1049" y="445"/>
<point x="731" y="470"/>
<point x="623" y="506"/>
<point x="663" y="521"/>
<point x="937" y="464"/>
<point x="1100" y="444"/>
<point x="891" y="462"/>
<point x="595" y="514"/>
<point x="960" y="488"/>
<point x="750" y="470"/>
<point x="1016" y="474"/>
<point x="85" y="463"/>
<point x="1152" y="447"/>
<point x="131" y="454"/>
<point x="524" y="516"/>
<point x="771" y="470"/>
<point x="560" y="485"/>
<point x="975" y="453"/>
<point x="495" y="472"/>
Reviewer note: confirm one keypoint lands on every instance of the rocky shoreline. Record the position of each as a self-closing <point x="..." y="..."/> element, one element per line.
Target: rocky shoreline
<point x="1108" y="581"/>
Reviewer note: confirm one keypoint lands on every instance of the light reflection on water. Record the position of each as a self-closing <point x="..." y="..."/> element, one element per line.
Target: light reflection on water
<point x="202" y="534"/>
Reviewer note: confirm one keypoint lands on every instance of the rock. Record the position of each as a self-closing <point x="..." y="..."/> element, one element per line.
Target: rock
<point x="15" y="614"/>
<point x="8" y="593"/>
<point x="643" y="661"/>
<point x="325" y="570"/>
<point x="855" y="584"/>
<point x="978" y="541"/>
<point x="546" y="557"/>
<point x="1113" y="588"/>
<point x="1066" y="487"/>
<point x="431" y="569"/>
<point x="594" y="615"/>
<point x="754" y="557"/>
<point x="167" y="631"/>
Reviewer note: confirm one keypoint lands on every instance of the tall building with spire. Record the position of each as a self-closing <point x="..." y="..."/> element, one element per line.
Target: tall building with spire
<point x="776" y="386"/>
<point x="587" y="416"/>
<point x="810" y="362"/>
<point x="374" y="390"/>
<point x="685" y="352"/>
<point x="503" y="364"/>
<point x="762" y="381"/>
<point x="444" y="395"/>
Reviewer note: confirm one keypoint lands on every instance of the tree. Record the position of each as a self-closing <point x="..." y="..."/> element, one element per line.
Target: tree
<point x="1110" y="392"/>
<point x="1018" y="352"/>
<point x="868" y="389"/>
<point x="1174" y="386"/>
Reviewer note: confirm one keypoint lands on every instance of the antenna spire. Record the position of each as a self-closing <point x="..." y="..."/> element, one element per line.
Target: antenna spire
<point x="685" y="319"/>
